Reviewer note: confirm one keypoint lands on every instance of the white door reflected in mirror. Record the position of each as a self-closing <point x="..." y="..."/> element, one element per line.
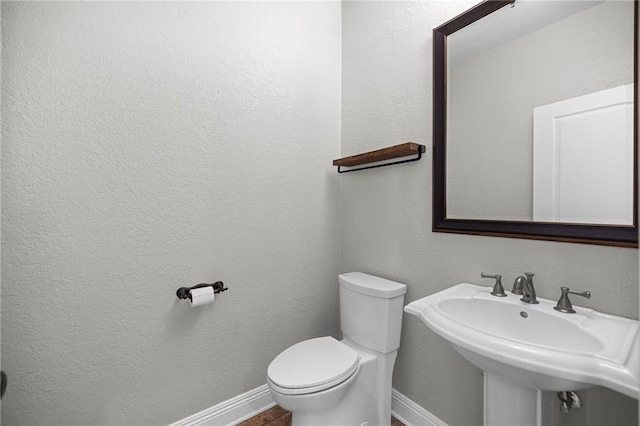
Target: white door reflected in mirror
<point x="583" y="159"/>
<point x="493" y="87"/>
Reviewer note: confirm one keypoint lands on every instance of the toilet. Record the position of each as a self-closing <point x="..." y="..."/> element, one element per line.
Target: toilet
<point x="324" y="381"/>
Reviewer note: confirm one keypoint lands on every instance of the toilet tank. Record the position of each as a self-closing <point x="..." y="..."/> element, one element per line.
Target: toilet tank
<point x="371" y="310"/>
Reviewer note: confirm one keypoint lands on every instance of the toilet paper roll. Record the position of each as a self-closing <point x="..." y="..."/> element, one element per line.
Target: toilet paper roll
<point x="202" y="296"/>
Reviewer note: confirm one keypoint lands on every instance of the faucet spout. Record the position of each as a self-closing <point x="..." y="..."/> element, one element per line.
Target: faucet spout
<point x="518" y="284"/>
<point x="529" y="292"/>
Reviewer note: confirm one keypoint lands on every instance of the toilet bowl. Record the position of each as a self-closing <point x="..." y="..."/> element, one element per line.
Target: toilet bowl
<point x="312" y="366"/>
<point x="313" y="375"/>
<point x="323" y="381"/>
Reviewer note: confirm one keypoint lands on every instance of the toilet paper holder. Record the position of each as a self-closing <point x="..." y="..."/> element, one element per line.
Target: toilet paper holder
<point x="185" y="292"/>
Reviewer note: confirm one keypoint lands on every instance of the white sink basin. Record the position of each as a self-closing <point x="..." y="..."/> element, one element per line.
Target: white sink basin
<point x="535" y="345"/>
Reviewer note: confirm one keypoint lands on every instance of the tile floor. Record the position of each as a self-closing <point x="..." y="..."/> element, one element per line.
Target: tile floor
<point x="278" y="416"/>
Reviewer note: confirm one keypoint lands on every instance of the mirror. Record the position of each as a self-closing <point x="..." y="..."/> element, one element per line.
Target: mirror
<point x="534" y="121"/>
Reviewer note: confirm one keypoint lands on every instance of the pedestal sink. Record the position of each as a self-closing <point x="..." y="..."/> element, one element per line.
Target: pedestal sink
<point x="525" y="349"/>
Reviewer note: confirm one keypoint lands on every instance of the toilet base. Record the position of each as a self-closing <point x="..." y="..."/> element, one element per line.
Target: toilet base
<point x="357" y="407"/>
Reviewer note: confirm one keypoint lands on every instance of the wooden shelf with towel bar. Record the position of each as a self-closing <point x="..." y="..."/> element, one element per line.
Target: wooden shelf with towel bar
<point x="406" y="149"/>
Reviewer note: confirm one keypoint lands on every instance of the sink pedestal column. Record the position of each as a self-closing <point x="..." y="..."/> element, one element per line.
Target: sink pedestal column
<point x="507" y="403"/>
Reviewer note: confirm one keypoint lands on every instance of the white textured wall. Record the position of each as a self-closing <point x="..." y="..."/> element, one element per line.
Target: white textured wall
<point x="386" y="213"/>
<point x="148" y="146"/>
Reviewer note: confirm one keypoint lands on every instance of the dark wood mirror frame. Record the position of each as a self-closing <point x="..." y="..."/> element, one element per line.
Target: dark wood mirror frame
<point x="624" y="236"/>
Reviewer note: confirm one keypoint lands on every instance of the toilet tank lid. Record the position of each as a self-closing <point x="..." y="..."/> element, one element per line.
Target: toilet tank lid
<point x="372" y="285"/>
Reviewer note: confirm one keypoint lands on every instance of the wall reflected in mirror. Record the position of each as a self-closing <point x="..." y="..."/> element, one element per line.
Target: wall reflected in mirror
<point x="540" y="114"/>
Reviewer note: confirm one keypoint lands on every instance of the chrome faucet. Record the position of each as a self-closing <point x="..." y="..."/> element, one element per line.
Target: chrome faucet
<point x="528" y="291"/>
<point x="518" y="284"/>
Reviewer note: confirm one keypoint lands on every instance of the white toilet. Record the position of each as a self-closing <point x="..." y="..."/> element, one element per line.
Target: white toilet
<point x="324" y="381"/>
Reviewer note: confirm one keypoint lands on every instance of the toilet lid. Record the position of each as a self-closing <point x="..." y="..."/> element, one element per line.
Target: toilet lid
<point x="316" y="363"/>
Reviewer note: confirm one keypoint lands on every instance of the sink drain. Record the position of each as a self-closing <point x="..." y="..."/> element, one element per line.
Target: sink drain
<point x="569" y="400"/>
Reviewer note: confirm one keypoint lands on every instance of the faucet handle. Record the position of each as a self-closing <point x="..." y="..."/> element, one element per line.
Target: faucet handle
<point x="498" y="290"/>
<point x="564" y="304"/>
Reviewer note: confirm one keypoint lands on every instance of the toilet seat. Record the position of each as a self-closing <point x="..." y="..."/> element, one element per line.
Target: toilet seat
<point x="312" y="366"/>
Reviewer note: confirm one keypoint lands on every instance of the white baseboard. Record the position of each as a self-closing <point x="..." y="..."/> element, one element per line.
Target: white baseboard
<point x="232" y="411"/>
<point x="247" y="405"/>
<point x="410" y="413"/>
